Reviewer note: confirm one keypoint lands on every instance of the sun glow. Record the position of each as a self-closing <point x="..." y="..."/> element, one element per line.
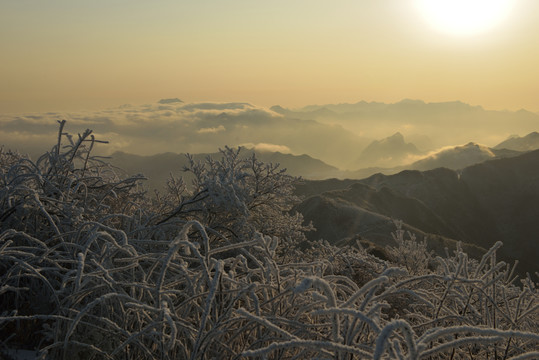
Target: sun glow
<point x="465" y="17"/>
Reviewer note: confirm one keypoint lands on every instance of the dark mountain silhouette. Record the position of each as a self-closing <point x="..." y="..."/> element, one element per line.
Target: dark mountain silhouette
<point x="526" y="143"/>
<point x="157" y="168"/>
<point x="497" y="200"/>
<point x="310" y="188"/>
<point x="362" y="212"/>
<point x="388" y="152"/>
<point x="170" y="101"/>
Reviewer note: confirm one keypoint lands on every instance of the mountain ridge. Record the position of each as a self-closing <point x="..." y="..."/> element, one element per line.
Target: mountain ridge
<point x="158" y="167"/>
<point x="525" y="143"/>
<point x="496" y="200"/>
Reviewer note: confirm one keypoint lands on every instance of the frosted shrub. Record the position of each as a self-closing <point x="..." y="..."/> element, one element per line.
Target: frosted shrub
<point x="92" y="269"/>
<point x="239" y="196"/>
<point x="410" y="253"/>
<point x="62" y="189"/>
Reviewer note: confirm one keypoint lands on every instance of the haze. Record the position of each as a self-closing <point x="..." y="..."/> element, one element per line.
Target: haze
<point x="64" y="55"/>
<point x="334" y="133"/>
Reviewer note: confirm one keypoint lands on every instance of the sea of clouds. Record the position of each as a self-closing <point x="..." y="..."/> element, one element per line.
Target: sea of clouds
<point x="171" y="125"/>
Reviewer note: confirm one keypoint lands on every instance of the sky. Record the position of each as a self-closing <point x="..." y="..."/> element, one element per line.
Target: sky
<point x="70" y="55"/>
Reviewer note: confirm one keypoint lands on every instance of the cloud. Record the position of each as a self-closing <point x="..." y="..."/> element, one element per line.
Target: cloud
<point x="453" y="157"/>
<point x="217" y="106"/>
<point x="178" y="127"/>
<point x="211" y="130"/>
<point x="174" y="126"/>
<point x="468" y="149"/>
<point x="265" y="147"/>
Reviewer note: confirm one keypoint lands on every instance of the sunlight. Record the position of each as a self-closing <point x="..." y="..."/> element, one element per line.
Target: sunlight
<point x="464" y="17"/>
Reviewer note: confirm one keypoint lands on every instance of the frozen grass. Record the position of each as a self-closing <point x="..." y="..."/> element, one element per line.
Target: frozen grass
<point x="92" y="268"/>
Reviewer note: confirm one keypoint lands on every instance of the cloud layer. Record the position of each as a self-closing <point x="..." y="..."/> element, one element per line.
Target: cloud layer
<point x="173" y="126"/>
<point x="335" y="134"/>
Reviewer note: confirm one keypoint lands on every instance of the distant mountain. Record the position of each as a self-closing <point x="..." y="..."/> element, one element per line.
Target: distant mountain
<point x="159" y="167"/>
<point x="457" y="157"/>
<point x="404" y="107"/>
<point x="304" y="115"/>
<point x="170" y="101"/>
<point x="388" y="152"/>
<point x="497" y="200"/>
<point x="299" y="165"/>
<point x="451" y="157"/>
<point x="440" y="124"/>
<point x="526" y="143"/>
<point x="170" y="125"/>
<point x="334" y="133"/>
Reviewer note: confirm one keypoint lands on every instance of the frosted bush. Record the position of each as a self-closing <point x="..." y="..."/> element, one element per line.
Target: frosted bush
<point x="237" y="197"/>
<point x="410" y="253"/>
<point x="90" y="268"/>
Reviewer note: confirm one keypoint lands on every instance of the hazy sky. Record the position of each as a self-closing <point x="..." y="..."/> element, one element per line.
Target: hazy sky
<point x="58" y="55"/>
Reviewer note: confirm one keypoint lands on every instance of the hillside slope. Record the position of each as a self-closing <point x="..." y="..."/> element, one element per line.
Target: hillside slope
<point x="497" y="200"/>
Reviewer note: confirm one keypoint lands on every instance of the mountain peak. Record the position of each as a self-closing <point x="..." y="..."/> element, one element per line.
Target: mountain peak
<point x="170" y="101"/>
<point x="278" y="109"/>
<point x="396" y="136"/>
<point x="411" y="102"/>
<point x="532" y="135"/>
<point x="526" y="143"/>
<point x="390" y="151"/>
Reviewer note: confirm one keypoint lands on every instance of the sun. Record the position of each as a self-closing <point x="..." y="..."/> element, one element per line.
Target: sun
<point x="465" y="17"/>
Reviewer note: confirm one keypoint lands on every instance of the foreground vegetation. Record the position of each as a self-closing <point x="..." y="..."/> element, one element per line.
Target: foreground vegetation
<point x="93" y="268"/>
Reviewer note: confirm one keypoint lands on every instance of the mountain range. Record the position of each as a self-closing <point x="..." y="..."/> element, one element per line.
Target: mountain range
<point x="351" y="137"/>
<point x="496" y="200"/>
<point x="429" y="126"/>
<point x="158" y="167"/>
<point x="468" y="193"/>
